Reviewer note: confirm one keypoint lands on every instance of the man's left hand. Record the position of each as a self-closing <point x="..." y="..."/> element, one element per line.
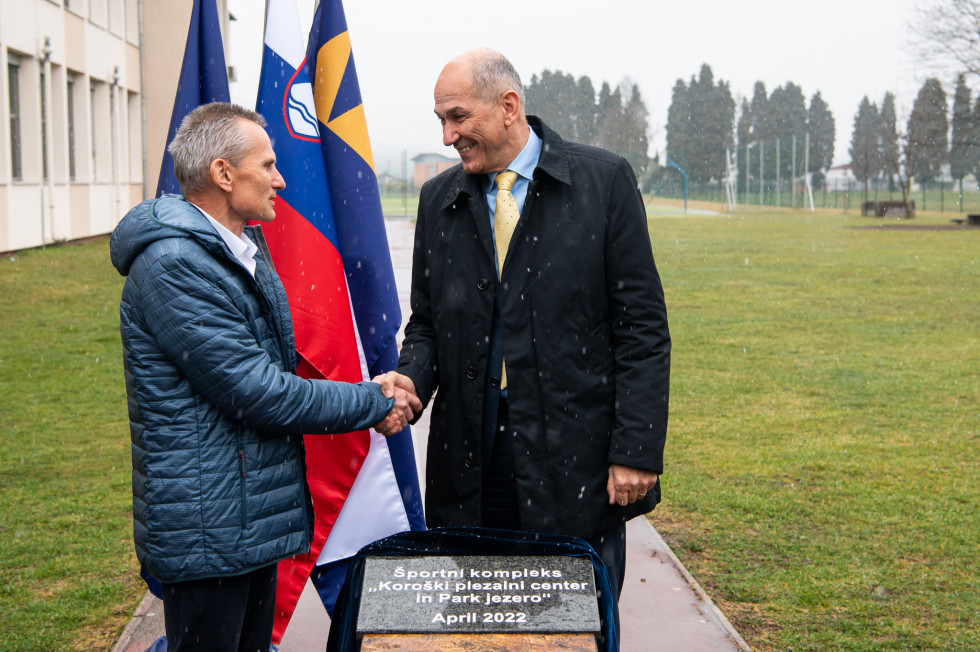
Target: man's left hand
<point x="627" y="485"/>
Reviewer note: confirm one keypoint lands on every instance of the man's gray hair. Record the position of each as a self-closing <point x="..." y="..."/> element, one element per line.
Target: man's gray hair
<point x="209" y="132"/>
<point x="494" y="75"/>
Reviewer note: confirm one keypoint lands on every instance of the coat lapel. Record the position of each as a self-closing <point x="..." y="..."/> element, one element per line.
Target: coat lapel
<point x="466" y="191"/>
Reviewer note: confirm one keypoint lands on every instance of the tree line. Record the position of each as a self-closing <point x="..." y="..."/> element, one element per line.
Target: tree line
<point x="776" y="135"/>
<point x="782" y="123"/>
<point x="700" y="127"/>
<point x="931" y="139"/>
<point x="788" y="136"/>
<point x="616" y="119"/>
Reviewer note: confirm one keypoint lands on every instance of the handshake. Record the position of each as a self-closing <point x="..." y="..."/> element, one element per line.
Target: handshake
<point x="407" y="403"/>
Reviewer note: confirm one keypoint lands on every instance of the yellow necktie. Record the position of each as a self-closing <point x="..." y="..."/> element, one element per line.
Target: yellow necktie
<point x="505" y="218"/>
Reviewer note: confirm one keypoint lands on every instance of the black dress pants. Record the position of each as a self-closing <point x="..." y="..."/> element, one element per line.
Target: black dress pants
<point x="499" y="491"/>
<point x="226" y="614"/>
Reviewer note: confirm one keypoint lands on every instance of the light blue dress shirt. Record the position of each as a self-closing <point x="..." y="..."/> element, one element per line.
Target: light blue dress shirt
<point x="524" y="166"/>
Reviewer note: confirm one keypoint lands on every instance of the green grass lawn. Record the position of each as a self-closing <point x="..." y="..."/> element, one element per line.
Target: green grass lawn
<point x="68" y="574"/>
<point x="948" y="202"/>
<point x="400" y="204"/>
<point x="825" y="429"/>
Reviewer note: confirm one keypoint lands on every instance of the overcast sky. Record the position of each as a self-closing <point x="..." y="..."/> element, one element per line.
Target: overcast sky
<point x="846" y="49"/>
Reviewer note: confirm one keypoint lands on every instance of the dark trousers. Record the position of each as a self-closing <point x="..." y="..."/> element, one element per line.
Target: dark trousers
<point x="226" y="614"/>
<point x="500" y="510"/>
<point x="610" y="545"/>
<point x="499" y="491"/>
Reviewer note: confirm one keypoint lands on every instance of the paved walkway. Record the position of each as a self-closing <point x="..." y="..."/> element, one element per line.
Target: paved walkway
<point x="662" y="607"/>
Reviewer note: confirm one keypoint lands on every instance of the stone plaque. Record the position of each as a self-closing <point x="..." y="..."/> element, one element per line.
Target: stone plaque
<point x="478" y="594"/>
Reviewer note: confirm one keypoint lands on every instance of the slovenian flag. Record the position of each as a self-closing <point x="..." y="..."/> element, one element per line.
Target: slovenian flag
<point x="330" y="249"/>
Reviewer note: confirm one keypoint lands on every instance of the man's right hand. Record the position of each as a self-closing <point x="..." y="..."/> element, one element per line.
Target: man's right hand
<point x="407" y="403"/>
<point x="398" y="380"/>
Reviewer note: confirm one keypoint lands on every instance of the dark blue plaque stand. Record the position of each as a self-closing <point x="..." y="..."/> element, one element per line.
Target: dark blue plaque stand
<point x="463" y="542"/>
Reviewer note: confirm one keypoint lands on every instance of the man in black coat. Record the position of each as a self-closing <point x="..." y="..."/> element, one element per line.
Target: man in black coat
<point x="550" y="352"/>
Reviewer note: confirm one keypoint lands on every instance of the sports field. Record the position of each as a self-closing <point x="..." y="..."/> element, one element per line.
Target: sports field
<point x="825" y="426"/>
<point x="823" y="443"/>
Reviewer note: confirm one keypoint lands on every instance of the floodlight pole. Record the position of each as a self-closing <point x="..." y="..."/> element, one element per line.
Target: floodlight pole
<point x="778" y="185"/>
<point x="793" y="175"/>
<point x="762" y="169"/>
<point x="806" y="172"/>
<point x="748" y="146"/>
<point x="672" y="164"/>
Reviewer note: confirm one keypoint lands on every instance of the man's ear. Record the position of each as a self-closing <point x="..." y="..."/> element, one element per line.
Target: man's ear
<point x="222" y="173"/>
<point x="510" y="102"/>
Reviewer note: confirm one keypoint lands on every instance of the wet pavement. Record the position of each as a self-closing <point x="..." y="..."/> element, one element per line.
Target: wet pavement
<point x="662" y="606"/>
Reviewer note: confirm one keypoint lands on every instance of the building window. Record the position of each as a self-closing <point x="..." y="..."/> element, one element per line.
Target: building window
<point x="103" y="131"/>
<point x="98" y="13"/>
<point x="13" y="82"/>
<point x="71" y="126"/>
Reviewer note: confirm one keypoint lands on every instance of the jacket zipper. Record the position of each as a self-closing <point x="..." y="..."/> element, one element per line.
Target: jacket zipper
<point x="244" y="510"/>
<point x="263" y="251"/>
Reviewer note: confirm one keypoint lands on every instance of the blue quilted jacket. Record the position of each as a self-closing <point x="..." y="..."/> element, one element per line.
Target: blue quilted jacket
<point x="216" y="414"/>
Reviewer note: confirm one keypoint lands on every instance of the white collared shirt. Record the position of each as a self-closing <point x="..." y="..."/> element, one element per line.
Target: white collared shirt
<point x="242" y="248"/>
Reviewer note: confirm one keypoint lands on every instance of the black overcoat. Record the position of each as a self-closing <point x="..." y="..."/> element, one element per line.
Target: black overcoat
<point x="583" y="327"/>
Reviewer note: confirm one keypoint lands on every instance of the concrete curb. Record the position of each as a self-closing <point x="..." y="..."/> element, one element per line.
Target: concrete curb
<point x="712" y="609"/>
<point x="144" y="627"/>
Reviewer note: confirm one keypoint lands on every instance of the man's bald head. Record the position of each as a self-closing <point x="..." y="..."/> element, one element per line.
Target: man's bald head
<point x="490" y="73"/>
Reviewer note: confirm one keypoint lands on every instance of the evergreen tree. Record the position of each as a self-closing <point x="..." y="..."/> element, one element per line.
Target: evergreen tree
<point x="636" y="126"/>
<point x="609" y="119"/>
<point x="865" y="152"/>
<point x="820" y="125"/>
<point x="760" y="130"/>
<point x="585" y="113"/>
<point x="891" y="153"/>
<point x="744" y="135"/>
<point x="552" y="97"/>
<point x="569" y="106"/>
<point x="679" y="136"/>
<point x="787" y="120"/>
<point x="700" y="122"/>
<point x="743" y="132"/>
<point x="718" y="124"/>
<point x="962" y="148"/>
<point x="975" y="141"/>
<point x="927" y="147"/>
<point x="760" y="113"/>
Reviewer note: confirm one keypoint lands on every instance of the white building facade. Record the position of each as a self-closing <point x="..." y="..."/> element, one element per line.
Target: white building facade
<point x="86" y="101"/>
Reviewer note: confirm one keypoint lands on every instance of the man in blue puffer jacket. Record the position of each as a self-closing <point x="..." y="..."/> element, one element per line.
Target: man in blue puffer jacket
<point x="216" y="412"/>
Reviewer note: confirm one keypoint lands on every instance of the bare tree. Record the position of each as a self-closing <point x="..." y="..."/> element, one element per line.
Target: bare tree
<point x="903" y="168"/>
<point x="949" y="30"/>
<point x="900" y="154"/>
